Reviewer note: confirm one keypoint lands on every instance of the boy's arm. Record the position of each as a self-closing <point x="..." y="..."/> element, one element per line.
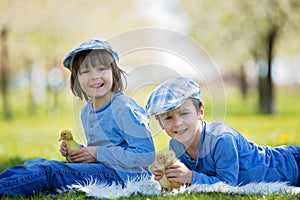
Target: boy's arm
<point x="139" y="150"/>
<point x="139" y="153"/>
<point x="125" y="141"/>
<point x="226" y="158"/>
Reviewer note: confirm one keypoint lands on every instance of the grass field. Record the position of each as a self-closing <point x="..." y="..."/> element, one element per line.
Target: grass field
<point x="29" y="136"/>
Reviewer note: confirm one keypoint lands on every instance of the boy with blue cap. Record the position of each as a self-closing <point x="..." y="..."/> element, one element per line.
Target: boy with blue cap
<point x="213" y="152"/>
<point x="119" y="143"/>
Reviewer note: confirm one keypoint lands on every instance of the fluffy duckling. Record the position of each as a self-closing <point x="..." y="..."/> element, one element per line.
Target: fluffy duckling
<point x="72" y="145"/>
<point x="171" y="159"/>
<point x="163" y="160"/>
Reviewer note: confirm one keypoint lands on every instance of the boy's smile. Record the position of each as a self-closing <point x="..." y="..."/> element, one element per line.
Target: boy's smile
<point x="180" y="132"/>
<point x="97" y="85"/>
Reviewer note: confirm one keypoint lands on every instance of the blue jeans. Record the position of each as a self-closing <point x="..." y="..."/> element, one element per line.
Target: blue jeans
<point x="296" y="152"/>
<point x="48" y="175"/>
<point x="298" y="163"/>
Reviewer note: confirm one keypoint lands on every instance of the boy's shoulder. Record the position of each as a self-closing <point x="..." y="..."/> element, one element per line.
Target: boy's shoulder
<point x="124" y="102"/>
<point x="219" y="129"/>
<point x="126" y="110"/>
<point x="87" y="108"/>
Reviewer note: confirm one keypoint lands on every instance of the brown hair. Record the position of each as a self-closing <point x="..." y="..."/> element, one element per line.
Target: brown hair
<point x="197" y="103"/>
<point x="95" y="58"/>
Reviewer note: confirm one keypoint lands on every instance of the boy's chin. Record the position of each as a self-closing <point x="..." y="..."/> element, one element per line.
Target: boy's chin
<point x="181" y="139"/>
<point x="184" y="139"/>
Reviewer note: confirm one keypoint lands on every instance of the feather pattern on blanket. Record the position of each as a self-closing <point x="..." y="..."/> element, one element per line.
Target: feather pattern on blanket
<point x="152" y="187"/>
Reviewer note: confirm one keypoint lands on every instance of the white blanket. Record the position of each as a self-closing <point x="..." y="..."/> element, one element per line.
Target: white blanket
<point x="152" y="187"/>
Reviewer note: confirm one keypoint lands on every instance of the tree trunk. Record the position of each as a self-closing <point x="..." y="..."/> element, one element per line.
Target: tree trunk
<point x="265" y="82"/>
<point x="4" y="74"/>
<point x="243" y="82"/>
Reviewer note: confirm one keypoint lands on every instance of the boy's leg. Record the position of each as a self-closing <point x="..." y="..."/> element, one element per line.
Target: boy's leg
<point x="296" y="152"/>
<point x="298" y="163"/>
<point x="38" y="175"/>
<point x="297" y="157"/>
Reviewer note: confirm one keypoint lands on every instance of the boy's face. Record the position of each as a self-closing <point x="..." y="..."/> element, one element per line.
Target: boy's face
<point x="184" y="123"/>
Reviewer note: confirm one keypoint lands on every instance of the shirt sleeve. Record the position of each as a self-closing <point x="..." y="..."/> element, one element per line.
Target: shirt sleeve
<point x="137" y="149"/>
<point x="226" y="160"/>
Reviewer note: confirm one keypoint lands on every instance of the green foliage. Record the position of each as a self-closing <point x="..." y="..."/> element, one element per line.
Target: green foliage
<point x="240" y="28"/>
<point x="50" y="33"/>
<point x="32" y="136"/>
<point x="192" y="196"/>
<point x="281" y="128"/>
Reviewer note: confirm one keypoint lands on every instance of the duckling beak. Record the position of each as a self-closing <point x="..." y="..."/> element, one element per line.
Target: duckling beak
<point x="168" y="160"/>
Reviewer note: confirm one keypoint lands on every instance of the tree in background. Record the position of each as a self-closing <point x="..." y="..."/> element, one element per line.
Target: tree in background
<point x="268" y="19"/>
<point x="4" y="72"/>
<point x="236" y="29"/>
<point x="48" y="34"/>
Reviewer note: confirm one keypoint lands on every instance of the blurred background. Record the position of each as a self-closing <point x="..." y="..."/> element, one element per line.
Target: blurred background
<point x="254" y="47"/>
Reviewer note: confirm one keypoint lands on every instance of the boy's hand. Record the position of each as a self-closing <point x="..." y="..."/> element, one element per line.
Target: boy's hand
<point x="156" y="172"/>
<point x="178" y="172"/>
<point x="84" y="155"/>
<point x="63" y="148"/>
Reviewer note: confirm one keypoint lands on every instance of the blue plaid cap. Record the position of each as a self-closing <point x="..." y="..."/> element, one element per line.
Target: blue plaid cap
<point x="89" y="45"/>
<point x="171" y="94"/>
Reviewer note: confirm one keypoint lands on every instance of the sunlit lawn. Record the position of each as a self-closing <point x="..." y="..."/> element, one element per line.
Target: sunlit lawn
<point x="31" y="136"/>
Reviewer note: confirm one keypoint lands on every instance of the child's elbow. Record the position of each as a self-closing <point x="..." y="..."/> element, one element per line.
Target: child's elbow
<point x="147" y="159"/>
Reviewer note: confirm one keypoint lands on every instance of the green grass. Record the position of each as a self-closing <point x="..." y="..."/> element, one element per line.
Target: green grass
<point x="207" y="196"/>
<point x="29" y="136"/>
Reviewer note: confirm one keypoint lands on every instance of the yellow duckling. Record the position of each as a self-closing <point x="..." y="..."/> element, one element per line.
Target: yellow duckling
<point x="72" y="145"/>
<point x="171" y="159"/>
<point x="163" y="160"/>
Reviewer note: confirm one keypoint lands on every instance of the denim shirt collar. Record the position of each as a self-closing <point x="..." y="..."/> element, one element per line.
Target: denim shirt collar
<point x="92" y="110"/>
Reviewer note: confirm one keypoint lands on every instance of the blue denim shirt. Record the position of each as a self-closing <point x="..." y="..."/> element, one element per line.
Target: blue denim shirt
<point x="120" y="131"/>
<point x="225" y="155"/>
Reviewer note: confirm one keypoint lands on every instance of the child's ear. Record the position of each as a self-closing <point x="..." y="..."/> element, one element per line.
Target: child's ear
<point x="201" y="112"/>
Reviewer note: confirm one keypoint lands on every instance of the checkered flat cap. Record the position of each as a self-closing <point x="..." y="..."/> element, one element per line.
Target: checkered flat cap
<point x="171" y="94"/>
<point x="89" y="45"/>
